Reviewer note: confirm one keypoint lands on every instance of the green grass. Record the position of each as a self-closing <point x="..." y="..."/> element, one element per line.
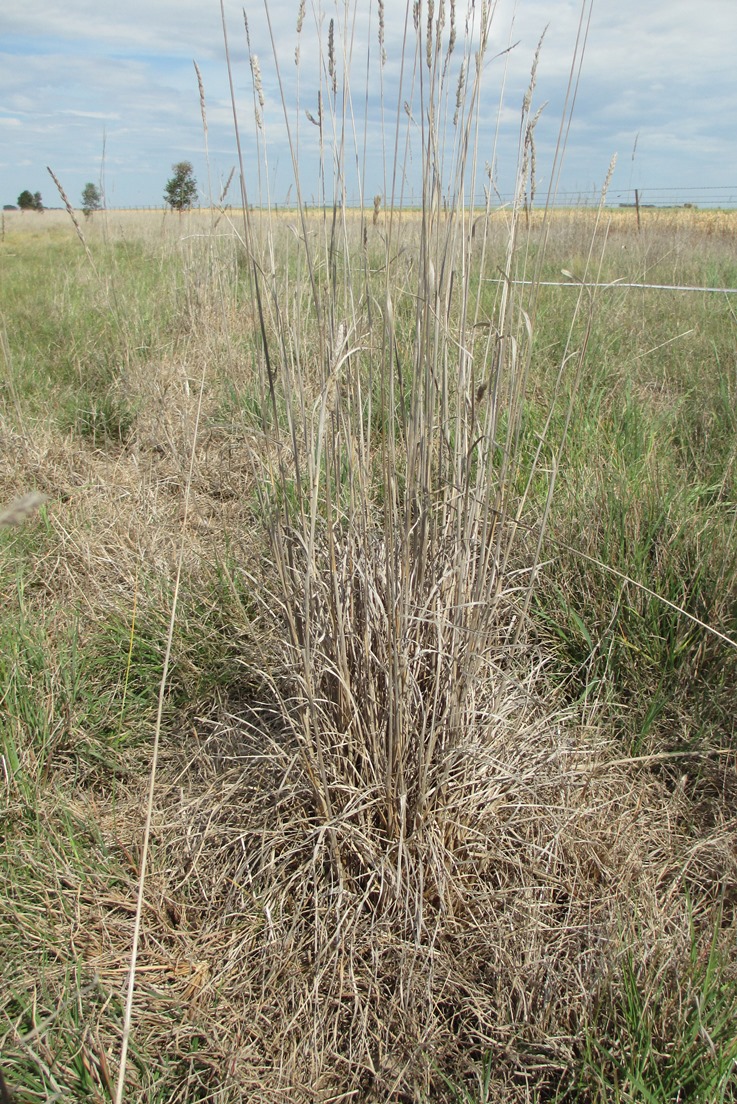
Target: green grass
<point x="84" y="331"/>
<point x="659" y="1037"/>
<point x="648" y="488"/>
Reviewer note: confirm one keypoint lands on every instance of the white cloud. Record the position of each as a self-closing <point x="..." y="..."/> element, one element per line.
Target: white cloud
<point x="106" y="115"/>
<point x="78" y="75"/>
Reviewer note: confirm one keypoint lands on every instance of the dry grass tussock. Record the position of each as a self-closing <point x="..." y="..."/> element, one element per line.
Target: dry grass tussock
<point x="485" y="932"/>
<point x="261" y="977"/>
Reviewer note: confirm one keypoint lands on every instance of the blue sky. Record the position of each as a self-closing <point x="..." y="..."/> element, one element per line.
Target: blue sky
<point x="113" y="97"/>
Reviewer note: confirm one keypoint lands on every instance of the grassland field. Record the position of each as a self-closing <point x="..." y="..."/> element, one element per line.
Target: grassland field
<point x="132" y="397"/>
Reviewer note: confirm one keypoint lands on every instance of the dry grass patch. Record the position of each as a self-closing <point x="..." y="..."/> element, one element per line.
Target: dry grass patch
<point x="488" y="931"/>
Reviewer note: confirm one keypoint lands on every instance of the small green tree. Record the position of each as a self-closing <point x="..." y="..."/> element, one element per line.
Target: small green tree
<point x="181" y="190"/>
<point x="91" y="200"/>
<point x="26" y="201"/>
<point x="37" y="202"/>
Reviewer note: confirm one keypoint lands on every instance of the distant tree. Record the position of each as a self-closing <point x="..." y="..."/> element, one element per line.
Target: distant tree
<point x="26" y="201"/>
<point x="91" y="200"/>
<point x="37" y="202"/>
<point x="181" y="191"/>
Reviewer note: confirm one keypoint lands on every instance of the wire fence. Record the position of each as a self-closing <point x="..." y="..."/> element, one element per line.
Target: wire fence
<point x="707" y="197"/>
<point x="611" y="284"/>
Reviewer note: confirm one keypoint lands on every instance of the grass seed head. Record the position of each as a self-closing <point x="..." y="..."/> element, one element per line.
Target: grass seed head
<point x="332" y="69"/>
<point x="201" y="87"/>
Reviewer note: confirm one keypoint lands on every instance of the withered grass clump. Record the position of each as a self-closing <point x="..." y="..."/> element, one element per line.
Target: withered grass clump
<point x="352" y="957"/>
<point x="416" y="851"/>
